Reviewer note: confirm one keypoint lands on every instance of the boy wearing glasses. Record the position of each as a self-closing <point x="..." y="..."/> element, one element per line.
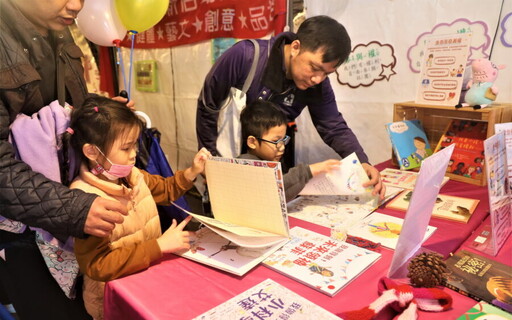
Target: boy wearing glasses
<point x="292" y="72"/>
<point x="264" y="137"/>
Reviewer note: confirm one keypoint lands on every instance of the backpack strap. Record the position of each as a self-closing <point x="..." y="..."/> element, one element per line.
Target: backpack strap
<point x="252" y="71"/>
<point x="247" y="83"/>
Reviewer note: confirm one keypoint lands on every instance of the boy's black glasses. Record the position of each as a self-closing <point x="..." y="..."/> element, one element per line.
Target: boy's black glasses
<point x="279" y="143"/>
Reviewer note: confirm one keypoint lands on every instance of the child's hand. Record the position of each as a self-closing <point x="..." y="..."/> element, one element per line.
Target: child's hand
<point x="198" y="164"/>
<point x="324" y="166"/>
<point x="175" y="239"/>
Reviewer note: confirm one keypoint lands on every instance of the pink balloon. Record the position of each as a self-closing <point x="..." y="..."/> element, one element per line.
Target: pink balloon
<point x="99" y="22"/>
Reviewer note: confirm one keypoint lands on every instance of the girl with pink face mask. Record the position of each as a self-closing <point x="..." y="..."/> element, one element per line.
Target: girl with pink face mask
<point x="104" y="134"/>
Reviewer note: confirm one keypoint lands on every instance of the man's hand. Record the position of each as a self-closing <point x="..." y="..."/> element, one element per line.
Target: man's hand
<point x="103" y="216"/>
<point x="375" y="180"/>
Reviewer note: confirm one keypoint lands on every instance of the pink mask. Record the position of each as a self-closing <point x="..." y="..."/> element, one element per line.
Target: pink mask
<point x="115" y="172"/>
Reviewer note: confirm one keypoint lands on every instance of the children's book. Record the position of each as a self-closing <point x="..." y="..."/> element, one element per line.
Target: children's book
<point x="409" y="142"/>
<point x="330" y="211"/>
<point x="484" y="311"/>
<point x="402" y="179"/>
<point x="446" y="207"/>
<point x="320" y="262"/>
<point x="212" y="249"/>
<point x="468" y="156"/>
<point x="267" y="300"/>
<point x="348" y="179"/>
<point x="480" y="278"/>
<point x="383" y="229"/>
<point x="250" y="219"/>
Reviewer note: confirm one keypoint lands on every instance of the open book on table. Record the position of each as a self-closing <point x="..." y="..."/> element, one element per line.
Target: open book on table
<point x="333" y="198"/>
<point x="402" y="179"/>
<point x="320" y="262"/>
<point x="382" y="228"/>
<point x="250" y="219"/>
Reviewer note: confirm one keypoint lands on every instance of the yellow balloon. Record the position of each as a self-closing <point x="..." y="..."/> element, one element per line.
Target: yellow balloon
<point x="140" y="15"/>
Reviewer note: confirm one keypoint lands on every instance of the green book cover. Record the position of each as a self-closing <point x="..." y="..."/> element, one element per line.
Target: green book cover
<point x="484" y="311"/>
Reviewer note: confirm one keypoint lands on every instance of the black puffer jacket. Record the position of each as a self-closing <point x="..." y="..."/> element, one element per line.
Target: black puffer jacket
<point x="28" y="68"/>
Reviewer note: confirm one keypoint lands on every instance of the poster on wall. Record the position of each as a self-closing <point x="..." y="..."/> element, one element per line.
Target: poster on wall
<point x="145" y="76"/>
<point x="442" y="69"/>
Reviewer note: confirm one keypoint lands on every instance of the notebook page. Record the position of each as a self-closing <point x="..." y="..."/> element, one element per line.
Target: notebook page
<point x="248" y="193"/>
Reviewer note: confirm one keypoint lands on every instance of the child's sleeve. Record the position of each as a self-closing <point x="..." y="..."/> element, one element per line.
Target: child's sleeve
<point x="295" y="180"/>
<point x="102" y="263"/>
<point x="165" y="190"/>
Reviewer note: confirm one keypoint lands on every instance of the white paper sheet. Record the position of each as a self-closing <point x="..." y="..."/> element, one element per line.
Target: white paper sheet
<point x="347" y="180"/>
<point x="419" y="212"/>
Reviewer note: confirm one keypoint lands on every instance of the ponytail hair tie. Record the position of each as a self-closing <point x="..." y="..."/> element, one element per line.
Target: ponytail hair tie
<point x="70" y="130"/>
<point x="96" y="109"/>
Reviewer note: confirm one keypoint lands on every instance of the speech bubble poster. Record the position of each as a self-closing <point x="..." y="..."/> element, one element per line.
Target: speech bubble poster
<point x="442" y="69"/>
<point x="366" y="64"/>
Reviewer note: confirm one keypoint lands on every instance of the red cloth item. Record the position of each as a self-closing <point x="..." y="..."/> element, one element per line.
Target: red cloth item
<point x="401" y="301"/>
<point x="106" y="71"/>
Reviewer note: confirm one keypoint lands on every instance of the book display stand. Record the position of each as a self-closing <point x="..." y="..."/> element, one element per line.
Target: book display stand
<point x="435" y="120"/>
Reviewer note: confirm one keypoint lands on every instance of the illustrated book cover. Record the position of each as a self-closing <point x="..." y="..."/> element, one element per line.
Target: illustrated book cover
<point x="382" y="228"/>
<point x="480" y="278"/>
<point x="250" y="224"/>
<point x="446" y="207"/>
<point x="320" y="262"/>
<point x="409" y="142"/>
<point x="468" y="156"/>
<point x="484" y="311"/>
<point x="267" y="300"/>
<point x="402" y="179"/>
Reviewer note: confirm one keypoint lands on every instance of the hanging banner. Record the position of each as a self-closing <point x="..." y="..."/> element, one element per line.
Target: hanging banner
<point x="190" y="21"/>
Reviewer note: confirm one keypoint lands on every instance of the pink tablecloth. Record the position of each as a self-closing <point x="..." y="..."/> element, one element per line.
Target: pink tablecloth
<point x="176" y="288"/>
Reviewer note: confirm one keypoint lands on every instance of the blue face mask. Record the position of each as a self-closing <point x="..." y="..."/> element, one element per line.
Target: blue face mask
<point x="115" y="172"/>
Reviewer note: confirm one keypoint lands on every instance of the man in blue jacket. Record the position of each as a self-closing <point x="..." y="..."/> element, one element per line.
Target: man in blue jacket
<point x="292" y="72"/>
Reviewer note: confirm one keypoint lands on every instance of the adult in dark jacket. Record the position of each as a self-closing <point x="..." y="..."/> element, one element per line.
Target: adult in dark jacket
<point x="37" y="53"/>
<point x="292" y="72"/>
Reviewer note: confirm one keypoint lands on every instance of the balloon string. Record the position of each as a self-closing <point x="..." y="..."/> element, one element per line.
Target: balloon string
<point x="120" y="61"/>
<point x="132" y="34"/>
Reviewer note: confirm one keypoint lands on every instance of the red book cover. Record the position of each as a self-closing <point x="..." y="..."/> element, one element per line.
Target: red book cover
<point x="468" y="156"/>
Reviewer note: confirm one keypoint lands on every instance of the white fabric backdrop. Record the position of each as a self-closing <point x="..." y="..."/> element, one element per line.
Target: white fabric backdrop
<point x="396" y="23"/>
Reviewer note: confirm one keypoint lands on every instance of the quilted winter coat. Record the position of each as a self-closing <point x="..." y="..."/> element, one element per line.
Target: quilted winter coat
<point x="28" y="81"/>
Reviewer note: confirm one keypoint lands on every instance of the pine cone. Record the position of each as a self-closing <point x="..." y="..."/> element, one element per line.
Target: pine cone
<point x="427" y="270"/>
